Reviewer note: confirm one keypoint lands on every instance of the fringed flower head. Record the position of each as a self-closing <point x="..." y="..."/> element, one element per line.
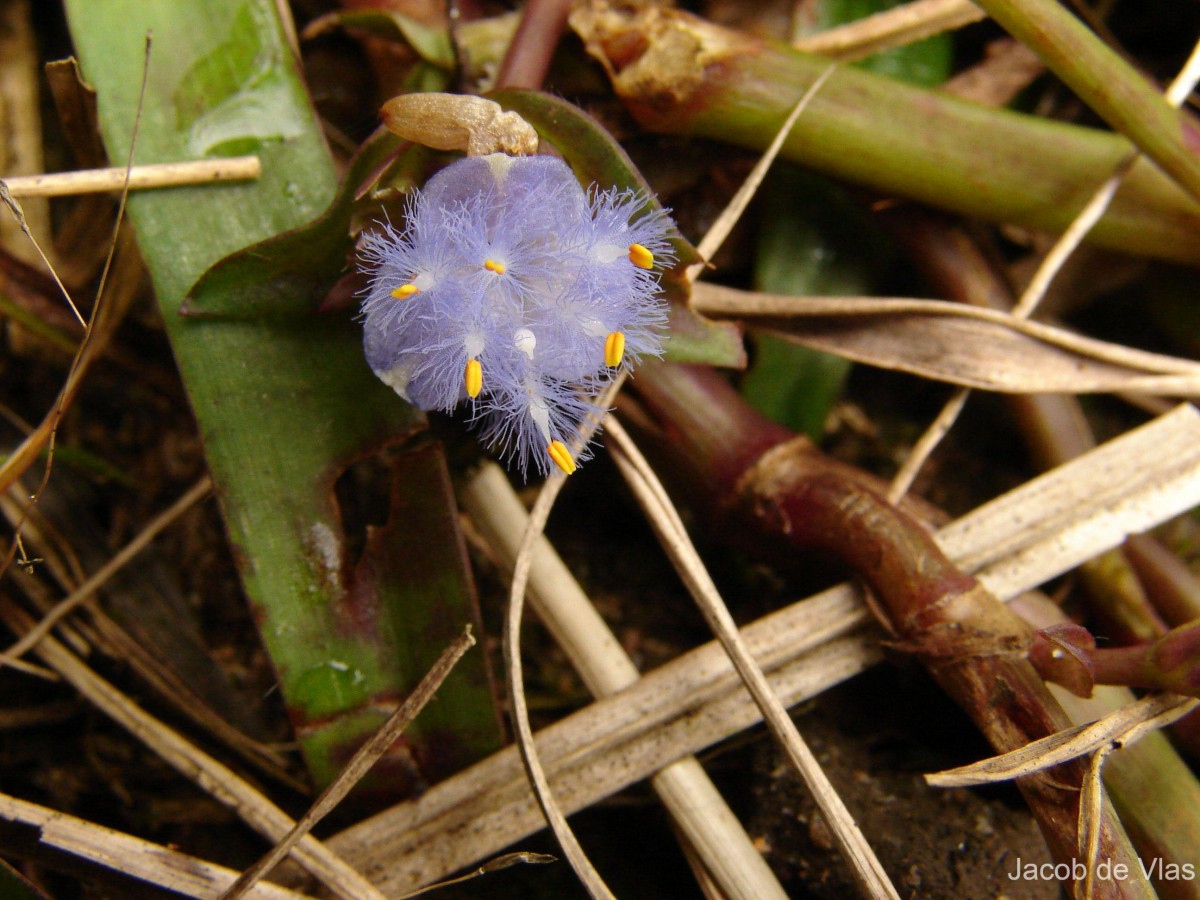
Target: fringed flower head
<point x="517" y="292"/>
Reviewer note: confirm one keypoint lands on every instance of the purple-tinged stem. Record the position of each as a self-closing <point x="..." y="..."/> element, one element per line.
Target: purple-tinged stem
<point x="777" y="493"/>
<point x="957" y="266"/>
<point x="527" y="60"/>
<point x="1171" y="585"/>
<point x="1171" y="663"/>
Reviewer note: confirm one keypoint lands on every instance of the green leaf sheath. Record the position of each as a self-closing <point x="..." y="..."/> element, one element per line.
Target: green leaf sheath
<point x="285" y="405"/>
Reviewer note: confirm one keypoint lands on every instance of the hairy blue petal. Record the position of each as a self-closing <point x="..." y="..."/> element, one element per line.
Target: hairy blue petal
<point x="511" y="280"/>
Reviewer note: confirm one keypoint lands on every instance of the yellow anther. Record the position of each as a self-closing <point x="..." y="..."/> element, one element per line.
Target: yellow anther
<point x="405" y="291"/>
<point x="473" y="378"/>
<point x="641" y="257"/>
<point x="561" y="456"/>
<point x="492" y="266"/>
<point x="614" y="348"/>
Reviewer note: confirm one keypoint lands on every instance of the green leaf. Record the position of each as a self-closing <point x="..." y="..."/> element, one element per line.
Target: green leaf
<point x="431" y="44"/>
<point x="812" y="241"/>
<point x="287" y="405"/>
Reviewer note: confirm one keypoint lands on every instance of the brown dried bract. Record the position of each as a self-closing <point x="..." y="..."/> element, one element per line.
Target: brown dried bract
<point x="655" y="57"/>
<point x="459" y="122"/>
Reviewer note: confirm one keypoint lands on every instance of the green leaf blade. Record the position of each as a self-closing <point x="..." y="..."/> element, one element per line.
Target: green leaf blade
<point x="285" y="405"/>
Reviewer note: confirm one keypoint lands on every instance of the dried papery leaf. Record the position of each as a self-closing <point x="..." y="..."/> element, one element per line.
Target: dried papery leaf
<point x="459" y="122"/>
<point x="21" y="124"/>
<point x="958" y="344"/>
<point x="1122" y="727"/>
<point x="1154" y="791"/>
<point x="83" y="235"/>
<point x="75" y="103"/>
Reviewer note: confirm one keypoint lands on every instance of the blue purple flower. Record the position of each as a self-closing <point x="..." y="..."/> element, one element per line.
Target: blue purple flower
<point x="514" y="291"/>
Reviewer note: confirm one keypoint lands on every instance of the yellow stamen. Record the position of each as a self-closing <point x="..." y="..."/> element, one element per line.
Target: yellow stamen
<point x="473" y="378"/>
<point x="561" y="456"/>
<point x="614" y="348"/>
<point x="641" y="257"/>
<point x="405" y="291"/>
<point x="492" y="266"/>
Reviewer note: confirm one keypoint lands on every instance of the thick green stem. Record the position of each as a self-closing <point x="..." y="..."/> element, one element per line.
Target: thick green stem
<point x="680" y="74"/>
<point x="1104" y="81"/>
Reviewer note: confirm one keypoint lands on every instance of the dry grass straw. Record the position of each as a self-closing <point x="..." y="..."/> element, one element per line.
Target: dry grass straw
<point x="564" y="609"/>
<point x="1013" y="544"/>
<point x="895" y="27"/>
<point x="1128" y="724"/>
<point x="867" y="870"/>
<point x="1120" y="728"/>
<point x="209" y="774"/>
<point x="136" y="178"/>
<point x="88" y="589"/>
<point x="98" y="631"/>
<point x="530" y="759"/>
<point x="839" y="656"/>
<point x="364" y="758"/>
<point x="97" y="330"/>
<point x="164" y="867"/>
<point x="213" y="777"/>
<point x="866" y="867"/>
